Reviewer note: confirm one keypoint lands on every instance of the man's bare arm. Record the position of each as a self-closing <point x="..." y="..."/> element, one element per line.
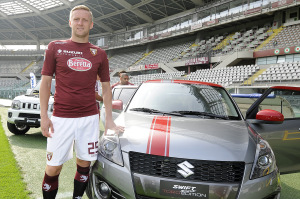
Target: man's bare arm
<point x="45" y="90"/>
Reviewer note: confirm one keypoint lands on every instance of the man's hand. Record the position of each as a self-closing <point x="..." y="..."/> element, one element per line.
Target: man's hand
<point x="46" y="123"/>
<point x="112" y="126"/>
<point x="107" y="99"/>
<point x="45" y="88"/>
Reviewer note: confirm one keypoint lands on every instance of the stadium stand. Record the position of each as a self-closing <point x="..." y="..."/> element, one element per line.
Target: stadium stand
<point x="126" y="58"/>
<point x="165" y="52"/>
<point x="141" y="78"/>
<point x="229" y="76"/>
<point x="286" y="36"/>
<point x="226" y="42"/>
<point x="15" y="70"/>
<point x="284" y="72"/>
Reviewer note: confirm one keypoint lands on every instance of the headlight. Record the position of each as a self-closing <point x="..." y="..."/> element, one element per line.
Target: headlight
<point x="110" y="149"/>
<point x="264" y="162"/>
<point x="16" y="104"/>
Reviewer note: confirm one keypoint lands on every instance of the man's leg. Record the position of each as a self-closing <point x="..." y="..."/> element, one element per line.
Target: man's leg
<point x="81" y="178"/>
<point x="59" y="150"/>
<point x="86" y="148"/>
<point x="50" y="182"/>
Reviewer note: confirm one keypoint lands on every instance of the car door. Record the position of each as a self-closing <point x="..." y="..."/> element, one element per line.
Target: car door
<point x="284" y="138"/>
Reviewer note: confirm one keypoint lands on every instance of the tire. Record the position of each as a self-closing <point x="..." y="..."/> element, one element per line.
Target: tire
<point x="88" y="190"/>
<point x="277" y="196"/>
<point x="18" y="129"/>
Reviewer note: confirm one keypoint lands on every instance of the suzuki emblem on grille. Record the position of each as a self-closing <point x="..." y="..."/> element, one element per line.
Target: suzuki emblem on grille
<point x="185" y="166"/>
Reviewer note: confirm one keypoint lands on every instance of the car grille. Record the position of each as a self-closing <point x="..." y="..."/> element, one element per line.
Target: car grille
<point x="31" y="106"/>
<point x="204" y="171"/>
<point x="143" y="197"/>
<point x="34" y="106"/>
<point x="28" y="115"/>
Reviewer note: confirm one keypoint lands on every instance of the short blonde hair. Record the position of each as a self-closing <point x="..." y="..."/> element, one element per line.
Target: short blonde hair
<point x="81" y="7"/>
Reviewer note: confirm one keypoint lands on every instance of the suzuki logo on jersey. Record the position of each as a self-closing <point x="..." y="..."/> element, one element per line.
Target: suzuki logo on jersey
<point x="72" y="52"/>
<point x="185" y="166"/>
<point x="69" y="53"/>
<point x="79" y="64"/>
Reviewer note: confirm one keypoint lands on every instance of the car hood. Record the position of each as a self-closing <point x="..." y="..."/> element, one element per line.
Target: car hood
<point x="186" y="137"/>
<point x="32" y="99"/>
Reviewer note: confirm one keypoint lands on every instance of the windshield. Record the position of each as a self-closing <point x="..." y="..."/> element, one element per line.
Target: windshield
<point x="186" y="99"/>
<point x="36" y="89"/>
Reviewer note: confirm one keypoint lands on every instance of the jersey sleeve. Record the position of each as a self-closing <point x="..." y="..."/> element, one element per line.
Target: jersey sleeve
<point x="103" y="71"/>
<point x="50" y="61"/>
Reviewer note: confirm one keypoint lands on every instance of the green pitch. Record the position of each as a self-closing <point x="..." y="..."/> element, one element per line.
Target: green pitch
<point x="30" y="154"/>
<point x="12" y="185"/>
<point x="23" y="161"/>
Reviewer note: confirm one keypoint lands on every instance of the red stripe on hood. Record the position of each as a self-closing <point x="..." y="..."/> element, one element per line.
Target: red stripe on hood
<point x="168" y="137"/>
<point x="159" y="136"/>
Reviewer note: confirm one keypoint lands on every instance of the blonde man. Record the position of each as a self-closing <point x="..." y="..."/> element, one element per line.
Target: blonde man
<point x="75" y="120"/>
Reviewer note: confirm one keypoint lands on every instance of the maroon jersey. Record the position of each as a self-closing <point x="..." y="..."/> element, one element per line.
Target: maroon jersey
<point x="75" y="66"/>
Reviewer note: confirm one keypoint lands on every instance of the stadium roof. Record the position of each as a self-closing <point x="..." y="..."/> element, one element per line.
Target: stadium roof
<point x="40" y="21"/>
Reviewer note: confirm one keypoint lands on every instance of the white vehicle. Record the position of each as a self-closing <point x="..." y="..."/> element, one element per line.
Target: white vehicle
<point x="25" y="111"/>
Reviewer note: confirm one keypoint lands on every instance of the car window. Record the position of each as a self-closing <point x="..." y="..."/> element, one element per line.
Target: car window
<point x="126" y="94"/>
<point x="116" y="93"/>
<point x="286" y="102"/>
<point x="244" y="104"/>
<point x="170" y="97"/>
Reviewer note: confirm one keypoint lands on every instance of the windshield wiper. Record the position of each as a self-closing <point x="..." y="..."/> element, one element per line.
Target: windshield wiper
<point x="147" y="110"/>
<point x="198" y="113"/>
<point x="150" y="110"/>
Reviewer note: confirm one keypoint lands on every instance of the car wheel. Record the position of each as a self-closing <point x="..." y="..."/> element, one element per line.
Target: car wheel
<point x="18" y="129"/>
<point x="277" y="196"/>
<point x="89" y="189"/>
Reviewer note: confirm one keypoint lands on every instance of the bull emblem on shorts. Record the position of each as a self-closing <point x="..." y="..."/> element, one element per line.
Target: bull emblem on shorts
<point x="49" y="156"/>
<point x="46" y="187"/>
<point x="83" y="178"/>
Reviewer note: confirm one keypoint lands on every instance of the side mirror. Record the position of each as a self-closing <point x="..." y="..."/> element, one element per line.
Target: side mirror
<point x="270" y="116"/>
<point x="117" y="105"/>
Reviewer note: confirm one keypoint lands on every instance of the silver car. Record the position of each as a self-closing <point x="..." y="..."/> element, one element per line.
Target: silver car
<point x="189" y="139"/>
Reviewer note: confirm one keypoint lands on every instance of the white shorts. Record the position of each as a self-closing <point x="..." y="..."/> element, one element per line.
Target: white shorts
<point x="83" y="131"/>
